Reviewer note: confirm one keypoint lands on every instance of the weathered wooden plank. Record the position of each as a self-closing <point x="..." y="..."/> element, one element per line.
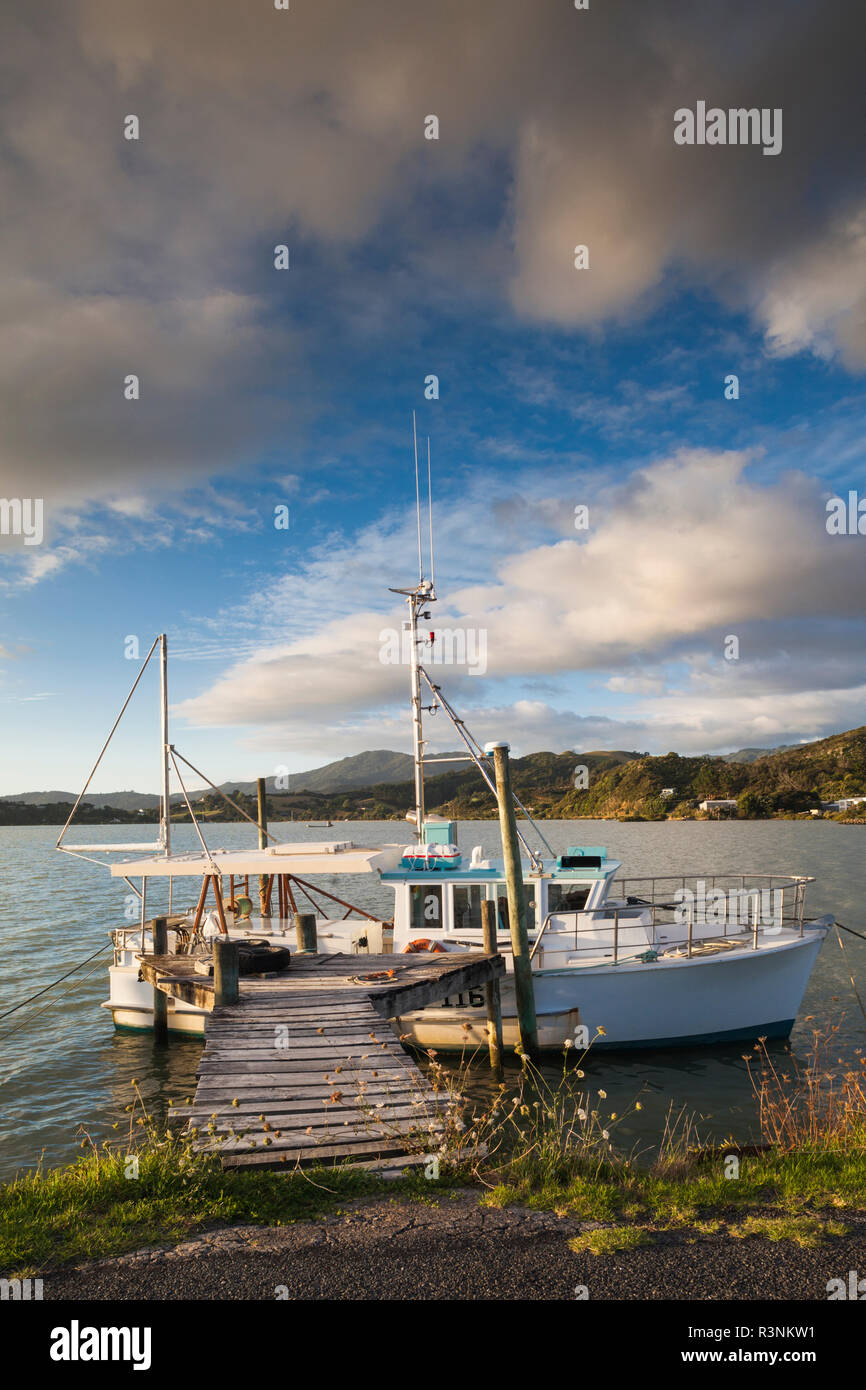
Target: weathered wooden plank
<point x="291" y="1104"/>
<point x="268" y="1083"/>
<point x="291" y="1051"/>
<point x="282" y="1127"/>
<point x="316" y="1087"/>
<point x="354" y="1123"/>
<point x="267" y="1157"/>
<point x="263" y="1041"/>
<point x="273" y="1063"/>
<point x="308" y="1143"/>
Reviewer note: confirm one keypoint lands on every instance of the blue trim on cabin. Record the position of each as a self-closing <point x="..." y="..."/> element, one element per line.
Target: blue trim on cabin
<point x="494" y="875"/>
<point x="439" y="876"/>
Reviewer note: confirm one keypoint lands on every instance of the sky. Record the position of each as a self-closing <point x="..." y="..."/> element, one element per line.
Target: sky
<point x="604" y="386"/>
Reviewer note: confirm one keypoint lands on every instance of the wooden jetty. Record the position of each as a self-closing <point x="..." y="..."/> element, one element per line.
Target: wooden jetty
<point x="306" y="1067"/>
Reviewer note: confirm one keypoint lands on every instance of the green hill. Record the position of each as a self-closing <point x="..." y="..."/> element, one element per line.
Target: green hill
<point x="791" y="780"/>
<point x="627" y="785"/>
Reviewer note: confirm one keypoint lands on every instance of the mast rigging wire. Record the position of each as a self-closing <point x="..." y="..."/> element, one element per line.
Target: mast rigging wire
<point x="479" y="758"/>
<point x="106" y="743"/>
<point x="224" y="796"/>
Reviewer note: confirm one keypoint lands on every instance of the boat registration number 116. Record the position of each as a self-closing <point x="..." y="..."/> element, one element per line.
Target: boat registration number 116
<point x="473" y="999"/>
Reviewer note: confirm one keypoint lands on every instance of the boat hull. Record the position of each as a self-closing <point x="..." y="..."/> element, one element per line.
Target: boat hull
<point x="141" y="1021"/>
<point x="131" y="1004"/>
<point x="725" y="998"/>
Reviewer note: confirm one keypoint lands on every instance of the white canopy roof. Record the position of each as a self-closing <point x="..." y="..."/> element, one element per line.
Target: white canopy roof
<point x="323" y="857"/>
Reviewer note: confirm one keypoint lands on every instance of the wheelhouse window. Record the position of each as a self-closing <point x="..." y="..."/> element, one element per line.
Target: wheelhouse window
<point x="426" y="903"/>
<point x="504" y="920"/>
<point x="567" y="897"/>
<point x="468" y="898"/>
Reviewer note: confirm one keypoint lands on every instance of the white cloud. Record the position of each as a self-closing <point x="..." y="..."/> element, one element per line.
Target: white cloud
<point x="685" y="553"/>
<point x="816" y="298"/>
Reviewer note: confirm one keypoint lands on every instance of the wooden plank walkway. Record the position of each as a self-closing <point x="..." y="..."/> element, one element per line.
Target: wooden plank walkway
<point x="306" y="1067"/>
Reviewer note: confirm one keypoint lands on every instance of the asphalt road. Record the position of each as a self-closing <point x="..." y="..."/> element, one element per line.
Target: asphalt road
<point x="394" y="1249"/>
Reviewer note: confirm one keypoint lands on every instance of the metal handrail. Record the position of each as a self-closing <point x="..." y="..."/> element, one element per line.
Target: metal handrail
<point x="791" y="910"/>
<point x="537" y="942"/>
<point x="789" y="879"/>
<point x="786" y="883"/>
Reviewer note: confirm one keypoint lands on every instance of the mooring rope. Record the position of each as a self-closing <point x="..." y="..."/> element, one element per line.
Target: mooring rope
<point x="50" y="1005"/>
<point x="44" y="990"/>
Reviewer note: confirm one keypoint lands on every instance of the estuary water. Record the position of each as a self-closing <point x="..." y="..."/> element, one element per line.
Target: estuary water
<point x="64" y="1070"/>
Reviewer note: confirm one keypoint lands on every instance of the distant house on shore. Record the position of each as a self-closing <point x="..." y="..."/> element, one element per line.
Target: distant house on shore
<point x="843" y="804"/>
<point x="667" y="791"/>
<point x="718" y="803"/>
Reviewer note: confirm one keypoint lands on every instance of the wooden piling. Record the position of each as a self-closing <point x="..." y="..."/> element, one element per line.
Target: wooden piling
<point x="226" y="988"/>
<point x="523" y="986"/>
<point x="491" y="989"/>
<point x="305" y="926"/>
<point x="262" y="813"/>
<point x="160" y="1000"/>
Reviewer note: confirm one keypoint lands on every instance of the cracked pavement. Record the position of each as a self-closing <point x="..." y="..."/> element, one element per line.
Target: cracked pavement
<point x="454" y="1248"/>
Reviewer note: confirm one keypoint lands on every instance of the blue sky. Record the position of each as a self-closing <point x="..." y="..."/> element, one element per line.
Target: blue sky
<point x="557" y="387"/>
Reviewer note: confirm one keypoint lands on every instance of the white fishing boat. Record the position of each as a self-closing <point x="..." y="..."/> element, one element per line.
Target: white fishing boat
<point x="628" y="963"/>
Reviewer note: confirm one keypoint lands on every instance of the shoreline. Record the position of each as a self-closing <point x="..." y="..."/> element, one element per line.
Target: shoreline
<point x="396" y="819"/>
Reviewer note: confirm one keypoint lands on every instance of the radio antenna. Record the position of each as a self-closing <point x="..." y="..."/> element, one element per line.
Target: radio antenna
<point x="417" y="501"/>
<point x="430" y="513"/>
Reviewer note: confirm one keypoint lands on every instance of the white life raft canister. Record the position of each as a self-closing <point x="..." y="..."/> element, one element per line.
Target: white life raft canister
<point x="431" y="857"/>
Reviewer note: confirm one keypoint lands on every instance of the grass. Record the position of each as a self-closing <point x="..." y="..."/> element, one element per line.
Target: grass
<point x="804" y="1230"/>
<point x="610" y="1240"/>
<point x="150" y="1189"/>
<point x="545" y="1146"/>
<point x="558" y="1153"/>
<point x="91" y="1208"/>
<point x="549" y="1148"/>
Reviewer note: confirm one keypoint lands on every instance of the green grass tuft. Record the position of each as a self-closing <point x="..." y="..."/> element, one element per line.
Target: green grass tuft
<point x="610" y="1239"/>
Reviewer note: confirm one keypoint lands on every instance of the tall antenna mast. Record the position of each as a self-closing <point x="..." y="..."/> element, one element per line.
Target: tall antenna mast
<point x="430" y="514"/>
<point x="417" y="600"/>
<point x="166" y="802"/>
<point x="417" y="500"/>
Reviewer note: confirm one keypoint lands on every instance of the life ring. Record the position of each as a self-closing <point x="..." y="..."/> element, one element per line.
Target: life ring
<point x="423" y="943"/>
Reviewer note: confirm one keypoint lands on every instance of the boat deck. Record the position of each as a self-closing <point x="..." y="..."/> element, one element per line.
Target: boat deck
<point x="307" y="1068"/>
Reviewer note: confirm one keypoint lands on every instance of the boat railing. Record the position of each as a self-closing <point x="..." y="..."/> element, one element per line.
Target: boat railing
<point x="717" y="905"/>
<point x="178" y="923"/>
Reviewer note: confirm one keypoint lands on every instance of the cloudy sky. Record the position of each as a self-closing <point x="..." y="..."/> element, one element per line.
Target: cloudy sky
<point x="601" y="387"/>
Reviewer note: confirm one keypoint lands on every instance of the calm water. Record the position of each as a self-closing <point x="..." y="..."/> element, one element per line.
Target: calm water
<point x="62" y="1065"/>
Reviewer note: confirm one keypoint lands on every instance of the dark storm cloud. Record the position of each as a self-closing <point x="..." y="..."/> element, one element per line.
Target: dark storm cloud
<point x="259" y="126"/>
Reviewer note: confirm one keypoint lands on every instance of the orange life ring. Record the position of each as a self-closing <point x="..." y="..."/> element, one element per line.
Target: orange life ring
<point x="423" y="943"/>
